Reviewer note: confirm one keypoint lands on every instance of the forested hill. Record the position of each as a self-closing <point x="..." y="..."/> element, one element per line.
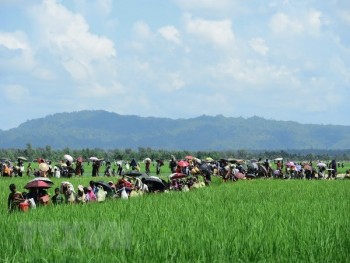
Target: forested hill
<point x="106" y="130"/>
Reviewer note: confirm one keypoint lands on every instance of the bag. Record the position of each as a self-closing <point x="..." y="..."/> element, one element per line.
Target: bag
<point x="32" y="203"/>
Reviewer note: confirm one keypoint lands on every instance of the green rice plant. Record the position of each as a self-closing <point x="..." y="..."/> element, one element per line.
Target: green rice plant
<point x="246" y="221"/>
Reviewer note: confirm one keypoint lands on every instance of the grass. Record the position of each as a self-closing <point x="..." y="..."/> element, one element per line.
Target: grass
<point x="246" y="221"/>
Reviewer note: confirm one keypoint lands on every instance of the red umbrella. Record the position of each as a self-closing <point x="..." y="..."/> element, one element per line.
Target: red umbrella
<point x="177" y="176"/>
<point x="183" y="163"/>
<point x="37" y="184"/>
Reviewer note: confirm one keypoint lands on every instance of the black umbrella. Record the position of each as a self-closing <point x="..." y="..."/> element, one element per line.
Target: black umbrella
<point x="133" y="173"/>
<point x="105" y="186"/>
<point x="154" y="183"/>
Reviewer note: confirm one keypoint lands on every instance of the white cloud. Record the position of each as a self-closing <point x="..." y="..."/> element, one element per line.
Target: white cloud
<point x="67" y="36"/>
<point x="221" y="5"/>
<point x="175" y="81"/>
<point x="170" y="33"/>
<point x="253" y="74"/>
<point x="345" y="16"/>
<point x="259" y="46"/>
<point x="17" y="45"/>
<point x="218" y="32"/>
<point x="14" y="93"/>
<point x="309" y="22"/>
<point x="13" y="41"/>
<point x="142" y="30"/>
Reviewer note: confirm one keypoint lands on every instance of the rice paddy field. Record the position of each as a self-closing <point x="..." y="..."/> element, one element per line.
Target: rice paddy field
<point x="245" y="221"/>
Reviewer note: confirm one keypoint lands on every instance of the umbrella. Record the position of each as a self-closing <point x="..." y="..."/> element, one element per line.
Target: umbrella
<point x="105" y="186"/>
<point x="22" y="158"/>
<point x="322" y="165"/>
<point x="147" y="160"/>
<point x="68" y="158"/>
<point x="239" y="175"/>
<point x="37" y="184"/>
<point x="232" y="160"/>
<point x="93" y="158"/>
<point x="133" y="173"/>
<point x="188" y="157"/>
<point x="209" y="159"/>
<point x="44" y="179"/>
<point x="154" y="183"/>
<point x="44" y="167"/>
<point x="290" y="164"/>
<point x="177" y="176"/>
<point x="278" y="159"/>
<point x="80" y="159"/>
<point x="183" y="163"/>
<point x="198" y="160"/>
<point x="250" y="175"/>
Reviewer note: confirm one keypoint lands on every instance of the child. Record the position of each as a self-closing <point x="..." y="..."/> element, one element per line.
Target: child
<point x="57" y="198"/>
<point x="14" y="199"/>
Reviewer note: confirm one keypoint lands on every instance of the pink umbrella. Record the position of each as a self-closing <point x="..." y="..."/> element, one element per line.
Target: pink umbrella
<point x="183" y="163"/>
<point x="37" y="184"/>
<point x="188" y="157"/>
<point x="290" y="164"/>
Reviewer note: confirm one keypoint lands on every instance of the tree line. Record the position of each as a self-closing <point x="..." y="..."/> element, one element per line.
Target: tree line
<point x="141" y="153"/>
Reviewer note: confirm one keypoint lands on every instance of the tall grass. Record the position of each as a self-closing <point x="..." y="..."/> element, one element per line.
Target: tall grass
<point x="247" y="221"/>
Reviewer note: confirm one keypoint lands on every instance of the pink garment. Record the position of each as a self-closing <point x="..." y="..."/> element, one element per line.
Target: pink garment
<point x="92" y="196"/>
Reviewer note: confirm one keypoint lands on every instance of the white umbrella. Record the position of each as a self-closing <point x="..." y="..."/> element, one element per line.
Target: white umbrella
<point x="93" y="158"/>
<point x="322" y="165"/>
<point x="68" y="158"/>
<point x="44" y="167"/>
<point x="147" y="160"/>
<point x="198" y="160"/>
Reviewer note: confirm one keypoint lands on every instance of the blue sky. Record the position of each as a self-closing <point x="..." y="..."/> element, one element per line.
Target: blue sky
<point x="281" y="60"/>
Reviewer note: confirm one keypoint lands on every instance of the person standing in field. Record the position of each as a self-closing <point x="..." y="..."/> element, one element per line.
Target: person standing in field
<point x="78" y="168"/>
<point x="94" y="168"/>
<point x="334" y="167"/>
<point x="147" y="165"/>
<point x="29" y="169"/>
<point x="14" y="198"/>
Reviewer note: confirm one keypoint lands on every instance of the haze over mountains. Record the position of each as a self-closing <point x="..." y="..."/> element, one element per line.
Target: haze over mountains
<point x="106" y="130"/>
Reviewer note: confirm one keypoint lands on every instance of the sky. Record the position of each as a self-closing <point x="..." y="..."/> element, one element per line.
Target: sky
<point x="280" y="60"/>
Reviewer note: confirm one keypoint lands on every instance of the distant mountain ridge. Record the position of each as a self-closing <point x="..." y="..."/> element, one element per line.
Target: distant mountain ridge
<point x="106" y="130"/>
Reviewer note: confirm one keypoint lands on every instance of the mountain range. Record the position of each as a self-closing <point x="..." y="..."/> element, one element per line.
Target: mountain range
<point x="107" y="130"/>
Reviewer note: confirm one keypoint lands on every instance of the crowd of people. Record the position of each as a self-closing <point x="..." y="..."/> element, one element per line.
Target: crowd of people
<point x="186" y="174"/>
